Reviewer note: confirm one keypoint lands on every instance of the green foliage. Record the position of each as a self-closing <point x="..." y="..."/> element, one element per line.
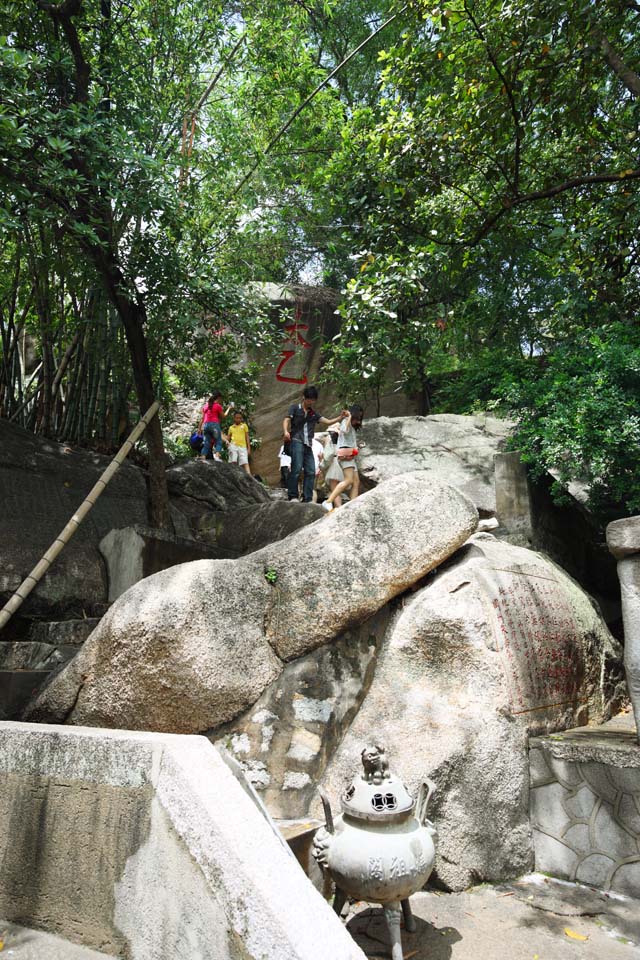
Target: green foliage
<point x="271" y="576"/>
<point x="575" y="412"/>
<point x="179" y="449"/>
<point x="493" y="192"/>
<point x="577" y="415"/>
<point x="470" y="179"/>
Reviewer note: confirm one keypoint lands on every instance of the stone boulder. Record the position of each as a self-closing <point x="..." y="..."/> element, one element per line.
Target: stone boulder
<point x="498" y="645"/>
<point x="43" y="483"/>
<point x="453" y="449"/>
<point x="246" y="529"/>
<point x="193" y="646"/>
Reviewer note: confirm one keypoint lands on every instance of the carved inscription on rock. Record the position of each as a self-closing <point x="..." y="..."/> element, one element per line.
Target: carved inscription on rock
<point x="536" y="633"/>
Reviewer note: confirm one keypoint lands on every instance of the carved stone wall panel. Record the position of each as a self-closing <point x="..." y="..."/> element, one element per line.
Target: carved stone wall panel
<point x="585" y="807"/>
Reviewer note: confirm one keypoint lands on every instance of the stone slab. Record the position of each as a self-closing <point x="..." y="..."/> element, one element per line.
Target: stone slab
<point x="147" y="846"/>
<point x="623" y="537"/>
<point x="612" y="743"/>
<point x="133" y="553"/>
<point x="454" y="449"/>
<point x="513" y="503"/>
<point x="21" y="943"/>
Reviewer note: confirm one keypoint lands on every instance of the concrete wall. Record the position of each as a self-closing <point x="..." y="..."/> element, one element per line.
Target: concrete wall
<point x="585" y="806"/>
<point x="146" y="847"/>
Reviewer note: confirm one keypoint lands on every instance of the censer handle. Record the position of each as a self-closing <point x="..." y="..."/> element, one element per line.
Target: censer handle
<point x="328" y="815"/>
<point x="427" y="788"/>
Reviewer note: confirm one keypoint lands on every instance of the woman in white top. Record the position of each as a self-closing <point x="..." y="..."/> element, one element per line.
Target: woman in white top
<point x="346" y="456"/>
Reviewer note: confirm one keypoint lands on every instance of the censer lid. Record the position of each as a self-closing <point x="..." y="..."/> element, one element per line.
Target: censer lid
<point x="376" y="795"/>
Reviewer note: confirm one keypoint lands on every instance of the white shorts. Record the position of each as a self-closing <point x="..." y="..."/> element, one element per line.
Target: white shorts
<point x="238" y="455"/>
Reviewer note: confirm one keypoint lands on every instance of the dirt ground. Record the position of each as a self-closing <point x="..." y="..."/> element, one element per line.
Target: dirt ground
<point x="535" y="918"/>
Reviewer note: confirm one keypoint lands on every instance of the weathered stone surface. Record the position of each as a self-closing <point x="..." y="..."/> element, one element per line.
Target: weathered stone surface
<point x="623" y="537"/>
<point x="629" y="576"/>
<point x="28" y="655"/>
<point x="246" y="529"/>
<point x="133" y="553"/>
<point x="66" y="632"/>
<point x="513" y="501"/>
<point x="453" y="449"/>
<point x="178" y="652"/>
<point x="287" y="737"/>
<point x="215" y="485"/>
<point x="194" y="646"/>
<point x="499" y="644"/>
<point x="365" y="553"/>
<point x="149" y="847"/>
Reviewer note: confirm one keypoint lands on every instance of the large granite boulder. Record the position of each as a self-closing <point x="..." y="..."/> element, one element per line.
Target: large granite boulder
<point x="452" y="448"/>
<point x="193" y="646"/>
<point x="500" y="644"/>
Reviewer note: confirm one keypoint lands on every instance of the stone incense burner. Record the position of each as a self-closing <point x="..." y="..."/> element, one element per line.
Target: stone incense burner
<point x="381" y="848"/>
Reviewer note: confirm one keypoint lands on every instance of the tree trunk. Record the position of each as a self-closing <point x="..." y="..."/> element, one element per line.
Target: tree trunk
<point x="425" y="397"/>
<point x="133" y="316"/>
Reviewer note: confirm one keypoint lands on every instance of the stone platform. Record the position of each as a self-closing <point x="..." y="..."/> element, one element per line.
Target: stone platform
<point x="585" y="805"/>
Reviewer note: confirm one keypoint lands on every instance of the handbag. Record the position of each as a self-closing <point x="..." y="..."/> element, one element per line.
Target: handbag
<point x="347" y="453"/>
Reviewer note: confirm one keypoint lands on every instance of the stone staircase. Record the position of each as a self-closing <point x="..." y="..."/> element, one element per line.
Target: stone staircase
<point x="36" y="652"/>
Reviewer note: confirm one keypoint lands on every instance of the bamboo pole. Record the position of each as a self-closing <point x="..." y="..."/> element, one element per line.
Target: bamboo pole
<point x="43" y="565"/>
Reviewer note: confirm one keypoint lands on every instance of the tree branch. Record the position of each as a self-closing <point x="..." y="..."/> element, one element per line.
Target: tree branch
<point x="554" y="191"/>
<point x="62" y="13"/>
<point x="515" y="113"/>
<point x="630" y="79"/>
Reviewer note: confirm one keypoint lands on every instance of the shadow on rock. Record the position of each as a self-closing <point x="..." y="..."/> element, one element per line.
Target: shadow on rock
<point x="429" y="942"/>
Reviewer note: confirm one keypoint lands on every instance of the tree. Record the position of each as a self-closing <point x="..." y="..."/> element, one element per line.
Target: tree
<point x="493" y="193"/>
<point x="102" y="163"/>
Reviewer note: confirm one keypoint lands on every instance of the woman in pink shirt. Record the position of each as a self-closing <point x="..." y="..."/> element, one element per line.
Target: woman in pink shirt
<point x="211" y="425"/>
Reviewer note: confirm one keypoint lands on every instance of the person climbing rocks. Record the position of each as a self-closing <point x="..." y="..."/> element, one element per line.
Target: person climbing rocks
<point x="330" y="466"/>
<point x="297" y="428"/>
<point x="211" y="425"/>
<point x="347" y="451"/>
<point x="238" y="437"/>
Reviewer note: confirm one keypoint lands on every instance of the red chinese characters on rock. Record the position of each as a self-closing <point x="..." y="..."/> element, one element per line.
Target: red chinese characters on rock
<point x="541" y="653"/>
<point x="294" y="335"/>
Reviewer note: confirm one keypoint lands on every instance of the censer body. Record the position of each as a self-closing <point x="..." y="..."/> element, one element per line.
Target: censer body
<point x="381" y="847"/>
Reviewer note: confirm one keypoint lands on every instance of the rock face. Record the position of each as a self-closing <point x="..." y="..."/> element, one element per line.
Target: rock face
<point x="43" y="483"/>
<point x="306" y="319"/>
<point x="246" y="529"/>
<point x="454" y="449"/>
<point x="286" y="739"/>
<point x="500" y="644"/>
<point x="193" y="646"/>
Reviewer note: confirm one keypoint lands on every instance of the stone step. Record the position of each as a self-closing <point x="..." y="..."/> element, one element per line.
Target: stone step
<point x="29" y="655"/>
<point x="24" y="943"/>
<point x="63" y="632"/>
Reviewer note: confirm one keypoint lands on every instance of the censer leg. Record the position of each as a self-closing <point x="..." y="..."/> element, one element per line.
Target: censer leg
<point x="409" y="919"/>
<point x="392" y="916"/>
<point x="339" y="900"/>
